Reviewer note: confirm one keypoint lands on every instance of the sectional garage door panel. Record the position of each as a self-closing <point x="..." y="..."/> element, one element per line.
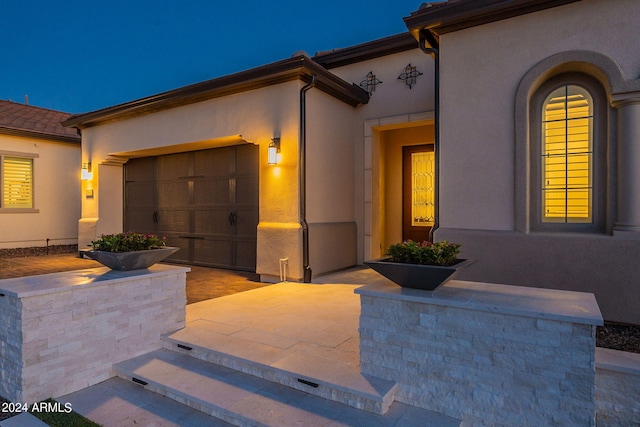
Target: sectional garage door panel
<point x="174" y="166"/>
<point x="213" y="222"/>
<point x="205" y="202"/>
<point x="214" y="252"/>
<point x="214" y="192"/>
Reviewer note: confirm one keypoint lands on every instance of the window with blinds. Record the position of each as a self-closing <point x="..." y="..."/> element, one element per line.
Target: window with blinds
<point x="567" y="156"/>
<point x="17" y="182"/>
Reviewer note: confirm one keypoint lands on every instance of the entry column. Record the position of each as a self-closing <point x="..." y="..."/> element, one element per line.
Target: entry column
<point x="628" y="185"/>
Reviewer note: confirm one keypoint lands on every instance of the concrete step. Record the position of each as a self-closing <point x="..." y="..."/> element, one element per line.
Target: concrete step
<point x="331" y="378"/>
<point x="245" y="400"/>
<point x="117" y="402"/>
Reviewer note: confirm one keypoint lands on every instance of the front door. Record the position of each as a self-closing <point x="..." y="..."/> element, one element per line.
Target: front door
<point x="418" y="183"/>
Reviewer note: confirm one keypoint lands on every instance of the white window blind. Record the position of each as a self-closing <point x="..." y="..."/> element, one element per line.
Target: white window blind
<point x="17" y="182"/>
<point x="567" y="156"/>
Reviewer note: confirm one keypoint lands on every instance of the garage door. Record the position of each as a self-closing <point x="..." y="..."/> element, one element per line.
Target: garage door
<point x="205" y="202"/>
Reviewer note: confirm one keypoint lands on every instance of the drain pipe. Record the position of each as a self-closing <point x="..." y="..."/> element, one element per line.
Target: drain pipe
<point x="433" y="51"/>
<point x="302" y="179"/>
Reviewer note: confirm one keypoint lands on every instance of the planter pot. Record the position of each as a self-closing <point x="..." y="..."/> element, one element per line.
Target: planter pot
<point x="137" y="260"/>
<point x="416" y="276"/>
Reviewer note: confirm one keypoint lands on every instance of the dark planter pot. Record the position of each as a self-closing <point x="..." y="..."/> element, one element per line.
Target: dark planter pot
<point x="416" y="276"/>
<point x="137" y="260"/>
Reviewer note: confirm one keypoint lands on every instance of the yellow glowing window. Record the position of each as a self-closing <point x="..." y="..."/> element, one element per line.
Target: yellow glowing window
<point x="17" y="182"/>
<point x="567" y="156"/>
<point x="422" y="188"/>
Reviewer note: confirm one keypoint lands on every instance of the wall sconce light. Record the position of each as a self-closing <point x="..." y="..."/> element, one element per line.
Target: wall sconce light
<point x="273" y="151"/>
<point x="86" y="172"/>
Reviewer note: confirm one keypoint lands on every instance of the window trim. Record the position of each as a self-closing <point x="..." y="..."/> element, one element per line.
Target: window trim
<point x="600" y="161"/>
<point x="18" y="154"/>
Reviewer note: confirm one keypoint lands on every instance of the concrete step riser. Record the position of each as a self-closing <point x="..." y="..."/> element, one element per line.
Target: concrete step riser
<point x="313" y="386"/>
<point x="187" y="400"/>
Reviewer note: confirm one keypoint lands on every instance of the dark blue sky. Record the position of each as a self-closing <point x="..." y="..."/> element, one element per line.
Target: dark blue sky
<point x="83" y="55"/>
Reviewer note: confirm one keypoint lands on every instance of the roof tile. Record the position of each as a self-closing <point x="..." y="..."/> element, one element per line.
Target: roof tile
<point x="21" y="117"/>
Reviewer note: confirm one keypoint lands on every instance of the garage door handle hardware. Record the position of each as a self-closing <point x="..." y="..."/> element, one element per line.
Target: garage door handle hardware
<point x="191" y="237"/>
<point x="233" y="218"/>
<point x="155" y="217"/>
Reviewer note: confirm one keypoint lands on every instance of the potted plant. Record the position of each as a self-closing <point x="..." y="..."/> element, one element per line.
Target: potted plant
<point x="424" y="265"/>
<point x="130" y="250"/>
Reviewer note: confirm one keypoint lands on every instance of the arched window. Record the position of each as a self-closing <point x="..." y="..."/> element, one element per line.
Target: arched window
<point x="568" y="155"/>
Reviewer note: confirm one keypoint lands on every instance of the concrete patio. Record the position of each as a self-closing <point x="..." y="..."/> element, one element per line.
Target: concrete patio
<point x="294" y="335"/>
<point x="283" y="354"/>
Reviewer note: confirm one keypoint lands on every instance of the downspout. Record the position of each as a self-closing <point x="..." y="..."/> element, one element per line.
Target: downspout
<point x="302" y="179"/>
<point x="433" y="51"/>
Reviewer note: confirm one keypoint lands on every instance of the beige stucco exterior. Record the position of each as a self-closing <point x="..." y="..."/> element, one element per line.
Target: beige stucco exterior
<point x="335" y="145"/>
<point x="488" y="74"/>
<point x="393" y="105"/>
<point x="481" y="68"/>
<point x="56" y="180"/>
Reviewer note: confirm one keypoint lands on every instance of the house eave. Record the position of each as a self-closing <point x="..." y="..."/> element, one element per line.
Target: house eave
<point x="458" y="15"/>
<point x="39" y="135"/>
<point x="296" y="68"/>
<point x="366" y="51"/>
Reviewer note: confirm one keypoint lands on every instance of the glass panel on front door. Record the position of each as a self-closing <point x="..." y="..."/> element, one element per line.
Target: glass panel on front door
<point x="418" y="214"/>
<point x="422" y="184"/>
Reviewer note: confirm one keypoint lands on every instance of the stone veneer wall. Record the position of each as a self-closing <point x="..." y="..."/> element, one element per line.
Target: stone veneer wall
<point x="483" y="354"/>
<point x="617" y="388"/>
<point x="62" y="332"/>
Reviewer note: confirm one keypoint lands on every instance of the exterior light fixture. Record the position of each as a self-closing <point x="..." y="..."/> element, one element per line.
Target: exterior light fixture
<point x="86" y="171"/>
<point x="273" y="151"/>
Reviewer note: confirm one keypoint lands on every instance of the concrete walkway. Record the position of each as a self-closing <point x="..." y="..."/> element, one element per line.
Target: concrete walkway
<point x="281" y="332"/>
<point x="203" y="283"/>
<point x="291" y="322"/>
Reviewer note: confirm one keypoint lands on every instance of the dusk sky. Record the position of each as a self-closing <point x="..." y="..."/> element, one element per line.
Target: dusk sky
<point x="83" y="55"/>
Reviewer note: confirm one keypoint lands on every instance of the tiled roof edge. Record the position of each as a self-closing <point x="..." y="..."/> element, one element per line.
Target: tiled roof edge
<point x="5" y="130"/>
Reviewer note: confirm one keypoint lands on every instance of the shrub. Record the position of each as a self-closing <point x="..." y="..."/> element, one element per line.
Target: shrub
<point x="410" y="252"/>
<point x="127" y="242"/>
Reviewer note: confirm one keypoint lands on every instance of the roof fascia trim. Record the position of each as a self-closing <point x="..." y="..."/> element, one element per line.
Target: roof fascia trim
<point x="46" y="136"/>
<point x="296" y="68"/>
<point x="365" y="51"/>
<point x="454" y="16"/>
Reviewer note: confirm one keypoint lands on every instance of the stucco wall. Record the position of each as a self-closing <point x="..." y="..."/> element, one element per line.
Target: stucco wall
<point x="392" y="104"/>
<point x="481" y="70"/>
<point x="56" y="195"/>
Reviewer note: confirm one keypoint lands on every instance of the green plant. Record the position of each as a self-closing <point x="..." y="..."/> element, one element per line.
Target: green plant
<point x="427" y="253"/>
<point x="127" y="242"/>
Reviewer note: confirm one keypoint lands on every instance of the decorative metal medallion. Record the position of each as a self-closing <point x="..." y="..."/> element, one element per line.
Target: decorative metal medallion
<point x="370" y="83"/>
<point x="410" y="75"/>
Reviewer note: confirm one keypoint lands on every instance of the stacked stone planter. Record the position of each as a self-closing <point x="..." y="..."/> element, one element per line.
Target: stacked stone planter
<point x="484" y="353"/>
<point x="63" y="332"/>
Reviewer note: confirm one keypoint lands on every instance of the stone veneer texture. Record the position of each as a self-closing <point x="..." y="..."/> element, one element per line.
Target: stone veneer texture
<point x="62" y="341"/>
<point x="483" y="367"/>
<point x="617" y="388"/>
